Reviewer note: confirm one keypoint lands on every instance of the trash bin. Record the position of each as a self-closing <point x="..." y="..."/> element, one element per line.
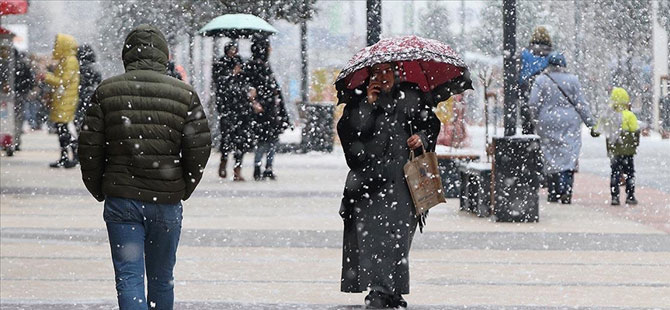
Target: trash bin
<point x="516" y="171"/>
<point x="318" y="133"/>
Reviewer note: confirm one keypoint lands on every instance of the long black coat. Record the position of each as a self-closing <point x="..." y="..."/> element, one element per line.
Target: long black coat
<point x="378" y="212"/>
<point x="270" y="123"/>
<point x="233" y="106"/>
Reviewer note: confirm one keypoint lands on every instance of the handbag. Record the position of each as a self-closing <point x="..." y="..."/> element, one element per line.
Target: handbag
<point x="423" y="179"/>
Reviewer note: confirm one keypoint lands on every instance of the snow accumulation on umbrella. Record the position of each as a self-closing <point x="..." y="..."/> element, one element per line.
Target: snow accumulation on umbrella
<point x="425" y="62"/>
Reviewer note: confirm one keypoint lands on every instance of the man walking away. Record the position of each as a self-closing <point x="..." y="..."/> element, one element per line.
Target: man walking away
<point x="144" y="145"/>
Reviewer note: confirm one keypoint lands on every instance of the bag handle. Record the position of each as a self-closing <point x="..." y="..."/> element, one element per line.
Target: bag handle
<point x="411" y="152"/>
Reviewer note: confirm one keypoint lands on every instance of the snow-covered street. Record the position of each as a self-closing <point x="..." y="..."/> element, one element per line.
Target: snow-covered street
<point x="277" y="245"/>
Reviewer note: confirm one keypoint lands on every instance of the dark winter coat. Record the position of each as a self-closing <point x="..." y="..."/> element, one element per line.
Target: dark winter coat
<point x="24" y="80"/>
<point x="270" y="123"/>
<point x="89" y="78"/>
<point x="378" y="212"/>
<point x="145" y="136"/>
<point x="171" y="70"/>
<point x="233" y="105"/>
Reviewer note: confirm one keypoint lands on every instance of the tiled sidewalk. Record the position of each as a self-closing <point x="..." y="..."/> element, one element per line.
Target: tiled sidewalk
<point x="276" y="245"/>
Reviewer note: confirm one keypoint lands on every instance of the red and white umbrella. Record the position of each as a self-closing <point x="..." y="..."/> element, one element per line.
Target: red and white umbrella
<point x="10" y="7"/>
<point x="428" y="63"/>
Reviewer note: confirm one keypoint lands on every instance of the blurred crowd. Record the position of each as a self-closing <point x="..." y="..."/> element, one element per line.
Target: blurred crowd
<point x="54" y="92"/>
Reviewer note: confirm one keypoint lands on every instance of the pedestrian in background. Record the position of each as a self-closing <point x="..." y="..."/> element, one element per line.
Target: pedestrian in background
<point x="65" y="96"/>
<point x="24" y="81"/>
<point x="89" y="79"/>
<point x="235" y="114"/>
<point x="270" y="117"/>
<point x="532" y="61"/>
<point x="558" y="110"/>
<point x="144" y="145"/>
<point x="622" y="139"/>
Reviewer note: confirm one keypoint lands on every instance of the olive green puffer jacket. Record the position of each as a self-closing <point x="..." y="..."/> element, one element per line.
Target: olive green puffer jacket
<point x="145" y="136"/>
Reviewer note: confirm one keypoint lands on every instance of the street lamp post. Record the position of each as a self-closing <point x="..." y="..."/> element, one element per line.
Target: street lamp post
<point x="374" y="21"/>
<point x="509" y="51"/>
<point x="517" y="158"/>
<point x="304" y="87"/>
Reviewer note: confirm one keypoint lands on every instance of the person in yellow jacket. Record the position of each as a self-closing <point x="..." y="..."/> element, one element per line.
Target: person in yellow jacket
<point x="65" y="83"/>
<point x="623" y="138"/>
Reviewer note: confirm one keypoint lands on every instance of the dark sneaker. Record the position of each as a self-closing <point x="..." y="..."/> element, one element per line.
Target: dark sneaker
<point x="377" y="300"/>
<point x="257" y="173"/>
<point x="615" y="201"/>
<point x="268" y="174"/>
<point x="552" y="198"/>
<point x="631" y="200"/>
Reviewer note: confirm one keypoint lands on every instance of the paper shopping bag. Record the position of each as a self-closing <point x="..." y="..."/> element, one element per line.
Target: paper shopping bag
<point x="423" y="178"/>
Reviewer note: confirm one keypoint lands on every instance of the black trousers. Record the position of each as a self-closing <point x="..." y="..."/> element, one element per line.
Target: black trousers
<point x="236" y="154"/>
<point x="65" y="140"/>
<point x="527" y="126"/>
<point x="622" y="164"/>
<point x="559" y="184"/>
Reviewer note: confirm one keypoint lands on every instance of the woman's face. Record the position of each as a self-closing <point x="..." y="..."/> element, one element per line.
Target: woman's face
<point x="232" y="52"/>
<point x="382" y="75"/>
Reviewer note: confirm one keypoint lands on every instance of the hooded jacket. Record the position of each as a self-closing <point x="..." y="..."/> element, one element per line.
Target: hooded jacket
<point x="64" y="79"/>
<point x="625" y="138"/>
<point x="145" y="136"/>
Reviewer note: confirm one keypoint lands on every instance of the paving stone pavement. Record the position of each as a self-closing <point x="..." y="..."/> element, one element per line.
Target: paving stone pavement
<point x="276" y="245"/>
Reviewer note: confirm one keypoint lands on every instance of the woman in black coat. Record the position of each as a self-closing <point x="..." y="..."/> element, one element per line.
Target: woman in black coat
<point x="378" y="132"/>
<point x="89" y="79"/>
<point x="270" y="114"/>
<point x="234" y="109"/>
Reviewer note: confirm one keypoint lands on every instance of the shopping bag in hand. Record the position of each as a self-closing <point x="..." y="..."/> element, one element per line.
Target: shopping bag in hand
<point x="423" y="179"/>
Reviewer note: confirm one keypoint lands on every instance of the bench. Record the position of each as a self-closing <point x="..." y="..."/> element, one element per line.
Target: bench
<point x="475" y="188"/>
<point x="448" y="164"/>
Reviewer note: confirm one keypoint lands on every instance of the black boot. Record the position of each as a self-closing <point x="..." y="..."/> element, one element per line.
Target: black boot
<point x="566" y="199"/>
<point x="615" y="201"/>
<point x="71" y="163"/>
<point x="399" y="302"/>
<point x="62" y="161"/>
<point x="378" y="300"/>
<point x="269" y="174"/>
<point x="257" y="173"/>
<point x="631" y="200"/>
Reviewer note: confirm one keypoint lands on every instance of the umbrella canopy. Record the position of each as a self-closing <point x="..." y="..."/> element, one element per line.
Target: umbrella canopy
<point x="425" y="62"/>
<point x="9" y="7"/>
<point x="237" y="25"/>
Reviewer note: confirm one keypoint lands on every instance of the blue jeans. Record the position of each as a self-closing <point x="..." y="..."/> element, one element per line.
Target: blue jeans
<point x="143" y="234"/>
<point x="262" y="149"/>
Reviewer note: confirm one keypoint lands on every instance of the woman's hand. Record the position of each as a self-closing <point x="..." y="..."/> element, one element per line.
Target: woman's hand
<point x="256" y="107"/>
<point x="414" y="142"/>
<point x="374" y="88"/>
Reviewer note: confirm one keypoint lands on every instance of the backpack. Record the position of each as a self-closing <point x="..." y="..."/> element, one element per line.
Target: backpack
<point x="531" y="65"/>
